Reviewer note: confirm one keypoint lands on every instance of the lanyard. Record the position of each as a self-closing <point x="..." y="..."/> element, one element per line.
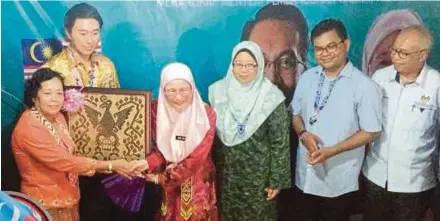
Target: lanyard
<point x="316" y="106"/>
<point x="241" y="126"/>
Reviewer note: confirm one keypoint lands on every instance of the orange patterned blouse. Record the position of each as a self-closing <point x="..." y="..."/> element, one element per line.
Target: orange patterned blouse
<point x="43" y="152"/>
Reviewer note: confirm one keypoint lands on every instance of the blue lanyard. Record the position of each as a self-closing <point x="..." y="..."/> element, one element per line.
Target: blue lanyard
<point x="317" y="108"/>
<point x="241" y="126"/>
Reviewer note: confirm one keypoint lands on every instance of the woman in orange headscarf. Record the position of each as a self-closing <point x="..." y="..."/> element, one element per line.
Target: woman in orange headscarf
<point x="183" y="129"/>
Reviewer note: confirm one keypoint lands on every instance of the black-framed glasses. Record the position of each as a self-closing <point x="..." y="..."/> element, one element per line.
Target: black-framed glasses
<point x="329" y="48"/>
<point x="403" y="54"/>
<point x="285" y="63"/>
<point x="244" y="66"/>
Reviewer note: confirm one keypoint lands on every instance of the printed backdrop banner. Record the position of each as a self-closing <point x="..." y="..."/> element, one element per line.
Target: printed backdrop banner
<point x="141" y="37"/>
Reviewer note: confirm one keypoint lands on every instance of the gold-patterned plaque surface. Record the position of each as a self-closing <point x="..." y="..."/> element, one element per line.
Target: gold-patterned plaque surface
<point x="112" y="124"/>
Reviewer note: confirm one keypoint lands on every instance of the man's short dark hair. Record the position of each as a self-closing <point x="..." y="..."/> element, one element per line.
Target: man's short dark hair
<point x="283" y="12"/>
<point x="81" y="10"/>
<point x="328" y="25"/>
<point x="33" y="84"/>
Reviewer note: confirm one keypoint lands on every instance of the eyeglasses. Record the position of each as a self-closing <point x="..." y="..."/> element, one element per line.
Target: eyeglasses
<point x="245" y="66"/>
<point x="403" y="54"/>
<point x="329" y="48"/>
<point x="173" y="92"/>
<point x="285" y="64"/>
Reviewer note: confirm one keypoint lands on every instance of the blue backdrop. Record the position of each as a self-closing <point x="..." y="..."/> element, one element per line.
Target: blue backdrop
<point x="142" y="37"/>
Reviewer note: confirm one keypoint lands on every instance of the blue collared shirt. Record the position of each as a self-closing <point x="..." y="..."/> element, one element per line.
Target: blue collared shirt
<point x="402" y="156"/>
<point x="354" y="104"/>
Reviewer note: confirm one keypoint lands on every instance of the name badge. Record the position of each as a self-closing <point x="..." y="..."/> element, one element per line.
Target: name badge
<point x="181" y="138"/>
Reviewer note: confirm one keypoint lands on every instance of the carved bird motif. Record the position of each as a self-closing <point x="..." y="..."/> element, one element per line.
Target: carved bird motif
<point x="107" y="126"/>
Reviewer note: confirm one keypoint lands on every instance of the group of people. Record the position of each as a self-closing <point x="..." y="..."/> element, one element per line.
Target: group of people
<point x="231" y="159"/>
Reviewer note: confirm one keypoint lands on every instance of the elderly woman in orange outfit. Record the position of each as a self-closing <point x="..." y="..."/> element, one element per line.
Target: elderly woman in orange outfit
<point x="43" y="149"/>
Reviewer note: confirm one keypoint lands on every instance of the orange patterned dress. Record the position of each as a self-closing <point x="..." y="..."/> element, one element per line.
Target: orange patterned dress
<point x="43" y="152"/>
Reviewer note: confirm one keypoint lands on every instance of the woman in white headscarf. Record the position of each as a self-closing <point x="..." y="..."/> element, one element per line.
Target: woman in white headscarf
<point x="183" y="129"/>
<point x="253" y="127"/>
<point x="381" y="37"/>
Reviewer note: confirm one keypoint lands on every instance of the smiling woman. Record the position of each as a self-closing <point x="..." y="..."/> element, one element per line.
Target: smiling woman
<point x="253" y="128"/>
<point x="43" y="150"/>
<point x="245" y="66"/>
<point x="179" y="94"/>
<point x="183" y="128"/>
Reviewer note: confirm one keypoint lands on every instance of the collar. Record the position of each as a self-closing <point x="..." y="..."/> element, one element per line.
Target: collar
<point x="347" y="71"/>
<point x="420" y="80"/>
<point x="76" y="62"/>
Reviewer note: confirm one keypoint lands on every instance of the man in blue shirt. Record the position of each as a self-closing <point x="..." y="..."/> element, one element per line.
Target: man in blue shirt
<point x="337" y="110"/>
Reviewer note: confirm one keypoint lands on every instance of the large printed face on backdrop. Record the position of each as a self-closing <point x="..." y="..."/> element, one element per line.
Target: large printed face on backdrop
<point x="381" y="36"/>
<point x="84" y="36"/>
<point x="276" y="39"/>
<point x="179" y="94"/>
<point x="330" y="50"/>
<point x="50" y="98"/>
<point x="381" y="56"/>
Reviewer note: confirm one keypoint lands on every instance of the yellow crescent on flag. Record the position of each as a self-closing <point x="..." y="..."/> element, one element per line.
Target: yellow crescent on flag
<point x="32" y="51"/>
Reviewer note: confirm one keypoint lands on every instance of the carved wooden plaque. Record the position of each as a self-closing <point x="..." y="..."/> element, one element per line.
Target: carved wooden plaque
<point x="112" y="124"/>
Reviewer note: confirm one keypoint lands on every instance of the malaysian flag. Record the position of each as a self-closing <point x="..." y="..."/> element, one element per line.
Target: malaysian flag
<point x="37" y="51"/>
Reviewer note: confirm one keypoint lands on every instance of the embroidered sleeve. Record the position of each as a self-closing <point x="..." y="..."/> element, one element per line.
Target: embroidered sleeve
<point x="38" y="142"/>
<point x="155" y="159"/>
<point x="279" y="135"/>
<point x="175" y="176"/>
<point x="114" y="82"/>
<point x="62" y="65"/>
<point x="108" y="72"/>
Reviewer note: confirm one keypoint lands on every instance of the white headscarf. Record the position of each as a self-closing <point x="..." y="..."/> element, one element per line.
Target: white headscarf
<point x="192" y="124"/>
<point x="234" y="101"/>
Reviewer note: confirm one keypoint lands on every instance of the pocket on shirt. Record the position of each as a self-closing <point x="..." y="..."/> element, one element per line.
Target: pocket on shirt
<point x="423" y="115"/>
<point x="421" y="108"/>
